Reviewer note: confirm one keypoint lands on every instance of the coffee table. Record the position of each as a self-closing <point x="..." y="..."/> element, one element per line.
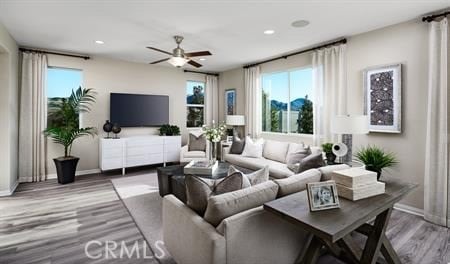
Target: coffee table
<point x="331" y="228"/>
<point x="171" y="178"/>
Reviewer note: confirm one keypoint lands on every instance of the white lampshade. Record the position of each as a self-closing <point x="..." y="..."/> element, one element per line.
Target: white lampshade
<point x="235" y="120"/>
<point x="177" y="61"/>
<point x="350" y="124"/>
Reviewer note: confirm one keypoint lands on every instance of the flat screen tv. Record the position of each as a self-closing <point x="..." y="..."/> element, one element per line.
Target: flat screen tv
<point x="139" y="110"/>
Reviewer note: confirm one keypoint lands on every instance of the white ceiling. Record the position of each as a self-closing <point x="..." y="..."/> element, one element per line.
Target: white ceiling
<point x="231" y="30"/>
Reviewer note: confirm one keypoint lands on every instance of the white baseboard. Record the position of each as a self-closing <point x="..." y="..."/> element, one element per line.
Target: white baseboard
<point x="10" y="191"/>
<point x="409" y="209"/>
<point x="78" y="173"/>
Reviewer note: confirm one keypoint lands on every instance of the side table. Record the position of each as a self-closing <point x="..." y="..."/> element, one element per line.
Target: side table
<point x="223" y="144"/>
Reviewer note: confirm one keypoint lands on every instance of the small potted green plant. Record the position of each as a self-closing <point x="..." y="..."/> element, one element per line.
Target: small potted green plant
<point x="65" y="129"/>
<point x="376" y="159"/>
<point x="169" y="130"/>
<point x="328" y="149"/>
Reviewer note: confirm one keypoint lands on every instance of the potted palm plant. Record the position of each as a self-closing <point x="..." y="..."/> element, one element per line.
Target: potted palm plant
<point x="64" y="128"/>
<point x="376" y="159"/>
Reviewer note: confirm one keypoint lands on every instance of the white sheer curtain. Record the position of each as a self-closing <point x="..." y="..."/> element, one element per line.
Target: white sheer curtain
<point x="212" y="99"/>
<point x="252" y="79"/>
<point x="33" y="118"/>
<point x="436" y="155"/>
<point x="329" y="90"/>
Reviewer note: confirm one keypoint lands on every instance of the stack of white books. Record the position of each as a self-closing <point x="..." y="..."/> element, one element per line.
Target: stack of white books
<point x="356" y="183"/>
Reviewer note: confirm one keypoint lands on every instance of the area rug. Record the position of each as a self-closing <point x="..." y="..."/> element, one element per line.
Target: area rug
<point x="141" y="197"/>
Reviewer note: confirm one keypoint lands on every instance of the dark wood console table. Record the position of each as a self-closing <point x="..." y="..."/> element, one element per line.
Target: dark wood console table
<point x="331" y="228"/>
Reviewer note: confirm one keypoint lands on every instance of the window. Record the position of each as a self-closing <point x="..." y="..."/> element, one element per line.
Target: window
<point x="195" y="102"/>
<point x="60" y="83"/>
<point x="286" y="102"/>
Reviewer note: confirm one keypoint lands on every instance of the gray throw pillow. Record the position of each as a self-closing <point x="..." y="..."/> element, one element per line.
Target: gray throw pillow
<point x="197" y="143"/>
<point x="293" y="159"/>
<point x="198" y="190"/>
<point x="237" y="146"/>
<point x="252" y="178"/>
<point x="312" y="161"/>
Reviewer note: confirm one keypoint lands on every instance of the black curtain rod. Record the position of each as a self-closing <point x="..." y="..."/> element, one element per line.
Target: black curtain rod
<point x="433" y="17"/>
<point x="55" y="53"/>
<point x="200" y="72"/>
<point x="337" y="42"/>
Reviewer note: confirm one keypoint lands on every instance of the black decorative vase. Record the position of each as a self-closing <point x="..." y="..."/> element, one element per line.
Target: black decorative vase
<point x="331" y="158"/>
<point x="116" y="130"/>
<point x="107" y="127"/>
<point x="66" y="168"/>
<point x="378" y="172"/>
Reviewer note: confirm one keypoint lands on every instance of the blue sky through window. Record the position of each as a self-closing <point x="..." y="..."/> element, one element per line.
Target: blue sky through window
<point x="276" y="84"/>
<point x="61" y="82"/>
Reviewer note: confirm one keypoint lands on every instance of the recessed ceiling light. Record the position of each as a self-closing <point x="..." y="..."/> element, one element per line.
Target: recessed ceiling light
<point x="300" y="23"/>
<point x="269" y="31"/>
<point x="202" y="59"/>
<point x="99" y="42"/>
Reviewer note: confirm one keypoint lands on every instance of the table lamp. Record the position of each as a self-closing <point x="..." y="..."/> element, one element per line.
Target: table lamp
<point x="347" y="125"/>
<point x="235" y="121"/>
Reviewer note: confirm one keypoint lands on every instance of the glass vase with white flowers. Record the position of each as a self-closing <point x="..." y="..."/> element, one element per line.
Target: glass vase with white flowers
<point x="214" y="134"/>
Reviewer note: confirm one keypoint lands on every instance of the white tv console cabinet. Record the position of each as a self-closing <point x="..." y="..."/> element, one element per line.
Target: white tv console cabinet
<point x="138" y="151"/>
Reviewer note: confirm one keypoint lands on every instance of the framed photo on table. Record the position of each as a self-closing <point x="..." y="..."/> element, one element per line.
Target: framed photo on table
<point x="383" y="98"/>
<point x="230" y="102"/>
<point x="322" y="195"/>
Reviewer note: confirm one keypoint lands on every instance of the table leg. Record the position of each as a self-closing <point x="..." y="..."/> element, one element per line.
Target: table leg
<point x="375" y="238"/>
<point x="388" y="252"/>
<point x="312" y="251"/>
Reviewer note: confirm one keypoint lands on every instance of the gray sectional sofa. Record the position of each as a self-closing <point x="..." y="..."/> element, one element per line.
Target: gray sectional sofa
<point x="247" y="234"/>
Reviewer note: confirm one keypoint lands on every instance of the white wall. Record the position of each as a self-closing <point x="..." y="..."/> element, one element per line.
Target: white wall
<point x="405" y="43"/>
<point x="106" y="76"/>
<point x="8" y="112"/>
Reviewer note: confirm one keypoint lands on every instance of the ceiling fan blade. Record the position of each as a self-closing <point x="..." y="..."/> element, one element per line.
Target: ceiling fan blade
<point x="163" y="51"/>
<point x="195" y="64"/>
<point x="198" y="53"/>
<point x="158" y="61"/>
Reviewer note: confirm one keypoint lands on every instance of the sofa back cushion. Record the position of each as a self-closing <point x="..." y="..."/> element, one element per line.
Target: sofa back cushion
<point x="228" y="204"/>
<point x="275" y="150"/>
<point x="297" y="182"/>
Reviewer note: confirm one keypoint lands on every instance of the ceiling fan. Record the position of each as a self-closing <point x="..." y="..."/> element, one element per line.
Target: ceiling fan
<point x="179" y="57"/>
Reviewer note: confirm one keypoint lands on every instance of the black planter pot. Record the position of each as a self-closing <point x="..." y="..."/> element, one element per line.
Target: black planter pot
<point x="331" y="158"/>
<point x="66" y="168"/>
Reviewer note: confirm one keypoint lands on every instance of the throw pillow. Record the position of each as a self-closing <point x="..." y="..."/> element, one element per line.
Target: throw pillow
<point x="198" y="190"/>
<point x="253" y="149"/>
<point x="197" y="142"/>
<point x="228" y="204"/>
<point x="312" y="161"/>
<point x="293" y="159"/>
<point x="237" y="146"/>
<point x="253" y="178"/>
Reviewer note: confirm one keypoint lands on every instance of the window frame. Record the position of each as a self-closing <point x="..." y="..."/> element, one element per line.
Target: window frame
<point x="80" y="115"/>
<point x="288" y="104"/>
<point x="196" y="105"/>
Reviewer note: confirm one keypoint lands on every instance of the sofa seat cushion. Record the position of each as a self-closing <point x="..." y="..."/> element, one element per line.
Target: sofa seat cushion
<point x="246" y="162"/>
<point x="228" y="204"/>
<point x="278" y="170"/>
<point x="297" y="182"/>
<point x="275" y="150"/>
<point x="195" y="154"/>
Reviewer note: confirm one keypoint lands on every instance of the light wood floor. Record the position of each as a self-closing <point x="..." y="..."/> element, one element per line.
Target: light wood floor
<point x="51" y="223"/>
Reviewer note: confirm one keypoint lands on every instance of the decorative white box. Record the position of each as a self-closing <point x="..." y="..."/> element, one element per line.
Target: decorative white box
<point x="204" y="167"/>
<point x="361" y="192"/>
<point x="354" y="177"/>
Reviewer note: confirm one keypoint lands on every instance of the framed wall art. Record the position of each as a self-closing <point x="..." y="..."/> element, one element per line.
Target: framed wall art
<point x="383" y="98"/>
<point x="230" y="102"/>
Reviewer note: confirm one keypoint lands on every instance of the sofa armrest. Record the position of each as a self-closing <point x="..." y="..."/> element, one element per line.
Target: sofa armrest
<point x="297" y="182"/>
<point x="189" y="238"/>
<point x="183" y="150"/>
<point x="258" y="236"/>
<point x="327" y="171"/>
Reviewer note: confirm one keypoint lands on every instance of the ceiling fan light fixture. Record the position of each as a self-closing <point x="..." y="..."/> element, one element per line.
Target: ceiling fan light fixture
<point x="177" y="61"/>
